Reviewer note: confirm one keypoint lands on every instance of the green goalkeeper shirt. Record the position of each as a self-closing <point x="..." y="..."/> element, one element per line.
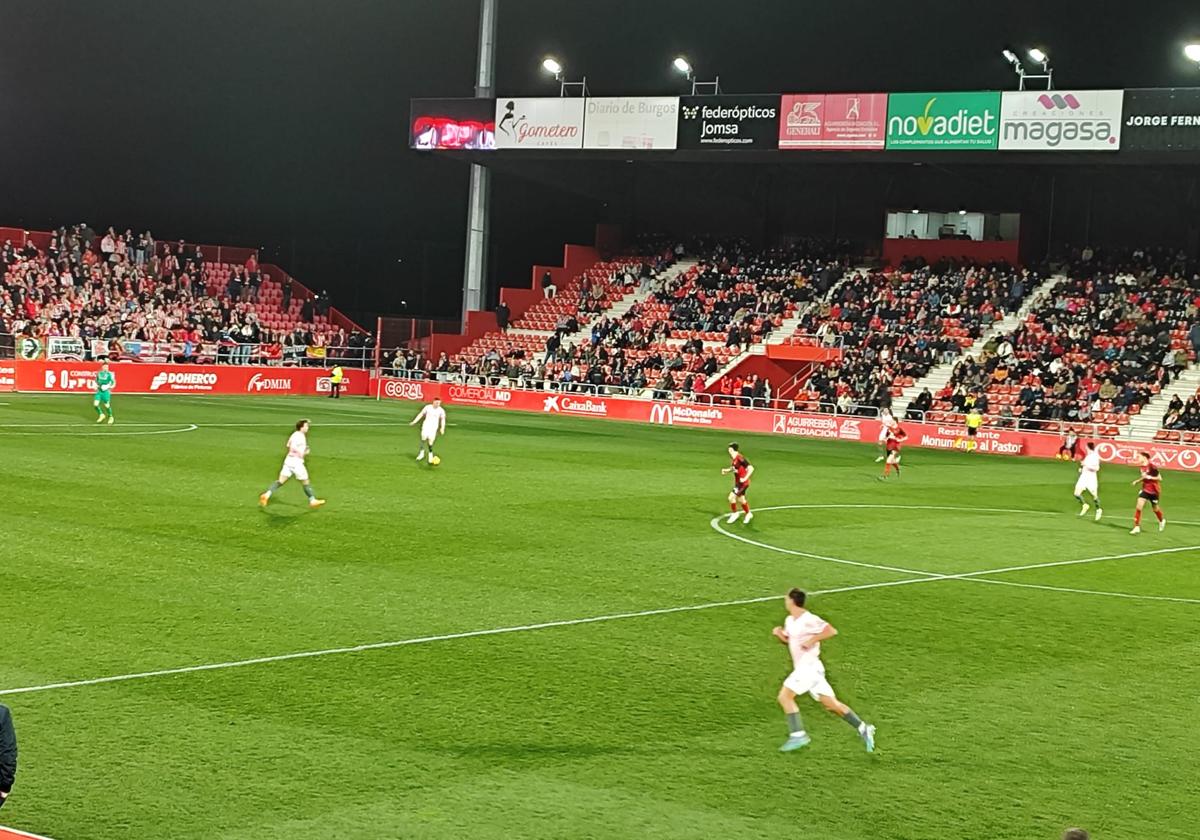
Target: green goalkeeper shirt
<point x="105" y="381"/>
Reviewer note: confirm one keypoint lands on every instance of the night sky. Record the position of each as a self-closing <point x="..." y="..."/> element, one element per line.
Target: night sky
<point x="283" y="123"/>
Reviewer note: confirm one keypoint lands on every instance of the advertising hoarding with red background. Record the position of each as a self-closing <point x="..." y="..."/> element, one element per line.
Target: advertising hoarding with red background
<point x="833" y="121"/>
<point x="80" y="378"/>
<point x="149" y="378"/>
<point x="827" y="426"/>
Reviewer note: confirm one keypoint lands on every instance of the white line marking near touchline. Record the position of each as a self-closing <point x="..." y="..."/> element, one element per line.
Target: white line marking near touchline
<point x="97" y="430"/>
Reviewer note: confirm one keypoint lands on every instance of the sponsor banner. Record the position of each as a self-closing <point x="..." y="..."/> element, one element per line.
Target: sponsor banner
<point x="540" y="123"/>
<point x="8" y="376"/>
<point x="832" y="121"/>
<point x="477" y="395"/>
<point x="402" y="389"/>
<point x="64" y="348"/>
<point x="569" y="404"/>
<point x="795" y="424"/>
<point x="631" y="122"/>
<point x="818" y="426"/>
<point x="956" y="120"/>
<point x="150" y="378"/>
<point x="728" y="122"/>
<point x="460" y="124"/>
<point x="1061" y="120"/>
<point x="1161" y="120"/>
<point x="687" y="415"/>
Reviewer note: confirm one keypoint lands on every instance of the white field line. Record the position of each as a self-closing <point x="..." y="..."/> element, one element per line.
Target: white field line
<point x="970" y="576"/>
<point x="923" y="577"/>
<point x="1072" y="591"/>
<point x="98" y="430"/>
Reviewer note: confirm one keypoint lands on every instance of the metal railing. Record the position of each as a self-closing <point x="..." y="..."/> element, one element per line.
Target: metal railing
<point x="69" y="349"/>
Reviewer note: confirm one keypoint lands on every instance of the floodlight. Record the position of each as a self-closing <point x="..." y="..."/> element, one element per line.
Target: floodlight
<point x="1038" y="56"/>
<point x="551" y="66"/>
<point x="1192" y="51"/>
<point x="683" y="66"/>
<point x="1011" y="57"/>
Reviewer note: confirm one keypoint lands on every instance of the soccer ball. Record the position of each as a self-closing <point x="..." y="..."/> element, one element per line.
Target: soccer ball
<point x="435" y="460"/>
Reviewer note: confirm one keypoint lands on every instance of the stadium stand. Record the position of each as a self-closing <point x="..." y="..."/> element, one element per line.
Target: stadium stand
<point x="1112" y="335"/>
<point x="633" y="324"/>
<point x="121" y="287"/>
<point x="896" y="325"/>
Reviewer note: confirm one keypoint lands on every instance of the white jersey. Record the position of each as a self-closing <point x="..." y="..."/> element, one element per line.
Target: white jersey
<point x="799" y="630"/>
<point x="1090" y="462"/>
<point x="888" y="422"/>
<point x="433" y="420"/>
<point x="297" y="445"/>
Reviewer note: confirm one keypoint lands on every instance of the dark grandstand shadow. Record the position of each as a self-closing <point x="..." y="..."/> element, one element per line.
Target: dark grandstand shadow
<point x="282" y="514"/>
<point x="1148" y="527"/>
<point x="539" y="752"/>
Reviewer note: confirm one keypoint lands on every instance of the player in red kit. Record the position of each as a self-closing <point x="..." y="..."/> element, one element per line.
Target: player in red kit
<point x="1151" y="481"/>
<point x="891" y="444"/>
<point x="742" y="470"/>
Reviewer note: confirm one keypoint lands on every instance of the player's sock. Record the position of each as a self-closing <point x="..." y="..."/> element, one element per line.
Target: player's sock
<point x="887" y="468"/>
<point x="1137" y="518"/>
<point x="308" y="491"/>
<point x="274" y="486"/>
<point x="746" y="507"/>
<point x="854" y="720"/>
<point x="1158" y="514"/>
<point x="795" y="724"/>
<point x="733" y="506"/>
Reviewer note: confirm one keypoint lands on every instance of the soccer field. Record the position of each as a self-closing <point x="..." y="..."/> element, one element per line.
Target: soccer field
<point x="559" y="640"/>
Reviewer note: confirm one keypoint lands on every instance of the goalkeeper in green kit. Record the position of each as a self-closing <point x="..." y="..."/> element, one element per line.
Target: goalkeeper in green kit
<point x="102" y="401"/>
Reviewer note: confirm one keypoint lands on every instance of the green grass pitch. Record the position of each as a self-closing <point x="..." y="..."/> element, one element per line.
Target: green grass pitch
<point x="1004" y="712"/>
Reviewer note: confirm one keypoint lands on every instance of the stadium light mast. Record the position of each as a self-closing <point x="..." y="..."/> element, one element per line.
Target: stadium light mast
<point x="1039" y="57"/>
<point x="684" y="66"/>
<point x="479" y="197"/>
<point x="554" y="67"/>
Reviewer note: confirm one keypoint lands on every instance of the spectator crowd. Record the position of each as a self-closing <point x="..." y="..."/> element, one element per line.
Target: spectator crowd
<point x="123" y="287"/>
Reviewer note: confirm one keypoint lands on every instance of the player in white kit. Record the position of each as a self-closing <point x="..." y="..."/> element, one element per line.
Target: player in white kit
<point x="293" y="465"/>
<point x="888" y="422"/>
<point x="803" y="633"/>
<point x="433" y="422"/>
<point x="1089" y="480"/>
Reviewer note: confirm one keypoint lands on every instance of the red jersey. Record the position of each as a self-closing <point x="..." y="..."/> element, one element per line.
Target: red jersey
<point x="894" y="436"/>
<point x="1151" y="481"/>
<point x="741" y="468"/>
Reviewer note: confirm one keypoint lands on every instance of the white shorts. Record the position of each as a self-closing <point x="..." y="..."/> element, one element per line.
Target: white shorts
<point x="293" y="467"/>
<point x="883" y="433"/>
<point x="1088" y="481"/>
<point x="810" y="681"/>
<point x="429" y="435"/>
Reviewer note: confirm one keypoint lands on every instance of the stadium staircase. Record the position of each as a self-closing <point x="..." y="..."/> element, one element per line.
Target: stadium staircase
<point x="938" y="376"/>
<point x="1147" y="424"/>
<point x="778" y="336"/>
<point x="622" y="305"/>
